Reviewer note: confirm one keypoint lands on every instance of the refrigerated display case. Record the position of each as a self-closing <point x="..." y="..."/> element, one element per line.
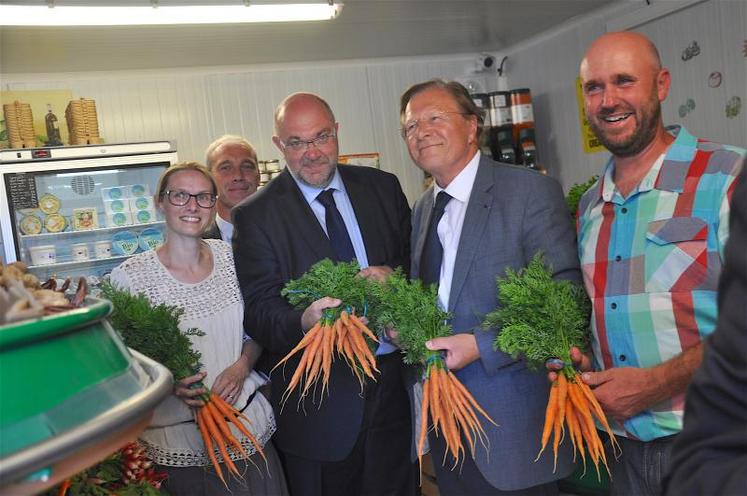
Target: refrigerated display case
<point x="81" y="210"/>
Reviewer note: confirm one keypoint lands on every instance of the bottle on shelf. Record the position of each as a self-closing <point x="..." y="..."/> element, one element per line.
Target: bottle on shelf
<point x="501" y="145"/>
<point x="504" y="150"/>
<point x="53" y="128"/>
<point x="522" y="113"/>
<point x="527" y="148"/>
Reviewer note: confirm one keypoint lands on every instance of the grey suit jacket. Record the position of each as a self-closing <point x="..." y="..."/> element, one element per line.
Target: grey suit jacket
<point x="513" y="212"/>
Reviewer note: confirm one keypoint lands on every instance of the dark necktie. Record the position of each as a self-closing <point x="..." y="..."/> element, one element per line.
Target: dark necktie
<point x="433" y="252"/>
<point x="336" y="230"/>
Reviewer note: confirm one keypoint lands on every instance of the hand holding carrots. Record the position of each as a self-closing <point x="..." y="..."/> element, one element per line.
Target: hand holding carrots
<point x="624" y="391"/>
<point x="460" y="349"/>
<point x="313" y="312"/>
<point x="377" y="273"/>
<point x="192" y="396"/>
<point x="581" y="361"/>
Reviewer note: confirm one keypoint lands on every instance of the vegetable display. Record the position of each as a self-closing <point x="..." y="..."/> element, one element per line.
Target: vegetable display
<point x="339" y="332"/>
<point x="413" y="311"/>
<point x="23" y="296"/>
<point x="153" y="331"/>
<point x="541" y="318"/>
<point x="127" y="472"/>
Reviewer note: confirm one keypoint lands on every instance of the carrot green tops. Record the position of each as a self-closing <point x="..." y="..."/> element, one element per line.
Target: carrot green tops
<point x="651" y="263"/>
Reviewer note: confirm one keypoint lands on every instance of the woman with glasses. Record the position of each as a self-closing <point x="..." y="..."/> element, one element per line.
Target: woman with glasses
<point x="198" y="276"/>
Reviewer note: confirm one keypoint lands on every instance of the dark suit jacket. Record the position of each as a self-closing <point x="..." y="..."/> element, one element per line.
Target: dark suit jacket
<point x="277" y="238"/>
<point x="512" y="213"/>
<point x="212" y="232"/>
<point x="709" y="456"/>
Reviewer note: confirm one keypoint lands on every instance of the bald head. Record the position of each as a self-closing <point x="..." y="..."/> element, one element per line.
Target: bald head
<point x="623" y="86"/>
<point x="625" y="43"/>
<point x="300" y="103"/>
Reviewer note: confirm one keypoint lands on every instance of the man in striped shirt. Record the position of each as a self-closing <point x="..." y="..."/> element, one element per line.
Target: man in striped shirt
<point x="651" y="234"/>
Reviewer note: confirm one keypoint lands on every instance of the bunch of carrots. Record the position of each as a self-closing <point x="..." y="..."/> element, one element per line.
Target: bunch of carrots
<point x="339" y="333"/>
<point x="213" y="419"/>
<point x="344" y="336"/>
<point x="541" y="318"/>
<point x="572" y="406"/>
<point x="451" y="409"/>
<point x="447" y="406"/>
<point x="153" y="331"/>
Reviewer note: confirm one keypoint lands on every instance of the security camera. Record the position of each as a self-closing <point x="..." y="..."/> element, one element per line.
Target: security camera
<point x="485" y="61"/>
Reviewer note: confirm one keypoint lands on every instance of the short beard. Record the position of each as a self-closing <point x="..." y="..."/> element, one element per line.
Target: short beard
<point x="320" y="184"/>
<point x="641" y="138"/>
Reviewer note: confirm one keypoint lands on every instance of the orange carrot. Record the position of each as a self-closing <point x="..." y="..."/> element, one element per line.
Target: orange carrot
<point x="558" y="428"/>
<point x="470" y="398"/>
<point x="207" y="440"/>
<point x="550" y="413"/>
<point x="219" y="421"/>
<point x="305" y="340"/>
<point x="358" y="323"/>
<point x="230" y="412"/>
<point x="219" y="441"/>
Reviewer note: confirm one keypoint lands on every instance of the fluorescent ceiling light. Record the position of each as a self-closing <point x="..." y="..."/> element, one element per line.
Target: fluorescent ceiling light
<point x="42" y="15"/>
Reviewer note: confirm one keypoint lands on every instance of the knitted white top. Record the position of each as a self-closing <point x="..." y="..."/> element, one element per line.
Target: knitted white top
<point x="214" y="306"/>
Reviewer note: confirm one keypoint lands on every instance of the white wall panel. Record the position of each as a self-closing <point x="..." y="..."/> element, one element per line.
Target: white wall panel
<point x="549" y="66"/>
<point x="194" y="107"/>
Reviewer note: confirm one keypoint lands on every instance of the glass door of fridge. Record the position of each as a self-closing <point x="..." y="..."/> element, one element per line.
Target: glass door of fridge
<point x="83" y="222"/>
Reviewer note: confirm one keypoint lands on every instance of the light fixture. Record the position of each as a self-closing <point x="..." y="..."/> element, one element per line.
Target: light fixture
<point x="51" y="14"/>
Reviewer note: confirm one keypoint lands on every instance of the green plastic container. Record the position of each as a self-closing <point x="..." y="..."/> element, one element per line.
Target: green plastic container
<point x="70" y="388"/>
<point x="59" y="371"/>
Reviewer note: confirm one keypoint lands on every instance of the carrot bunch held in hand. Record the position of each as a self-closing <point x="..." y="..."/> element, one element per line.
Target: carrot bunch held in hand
<point x="447" y="406"/>
<point x="153" y="331"/>
<point x="344" y="336"/>
<point x="540" y="319"/>
<point x="339" y="333"/>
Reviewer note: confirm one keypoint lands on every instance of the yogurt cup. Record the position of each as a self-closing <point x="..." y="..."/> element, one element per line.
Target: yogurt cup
<point x="43" y="255"/>
<point x="102" y="249"/>
<point x="80" y="252"/>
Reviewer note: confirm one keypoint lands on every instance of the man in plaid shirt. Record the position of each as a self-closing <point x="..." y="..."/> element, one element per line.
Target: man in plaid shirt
<point x="651" y="234"/>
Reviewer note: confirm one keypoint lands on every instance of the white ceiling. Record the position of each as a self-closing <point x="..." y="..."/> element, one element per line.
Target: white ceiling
<point x="365" y="29"/>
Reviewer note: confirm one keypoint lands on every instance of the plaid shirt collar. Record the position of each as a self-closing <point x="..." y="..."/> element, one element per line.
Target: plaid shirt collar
<point x="666" y="175"/>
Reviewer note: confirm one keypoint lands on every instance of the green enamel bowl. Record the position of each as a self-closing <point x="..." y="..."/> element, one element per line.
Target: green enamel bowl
<point x="59" y="371"/>
<point x="69" y="386"/>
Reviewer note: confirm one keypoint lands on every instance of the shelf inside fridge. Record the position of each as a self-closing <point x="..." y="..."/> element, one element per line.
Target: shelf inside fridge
<point x="77" y="263"/>
<point x="90" y="231"/>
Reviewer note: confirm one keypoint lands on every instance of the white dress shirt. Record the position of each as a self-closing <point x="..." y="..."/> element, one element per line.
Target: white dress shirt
<point x="225" y="228"/>
<point x="450" y="226"/>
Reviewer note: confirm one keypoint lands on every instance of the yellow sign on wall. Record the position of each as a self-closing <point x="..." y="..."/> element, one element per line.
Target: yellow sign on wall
<point x="41" y="102"/>
<point x="591" y="142"/>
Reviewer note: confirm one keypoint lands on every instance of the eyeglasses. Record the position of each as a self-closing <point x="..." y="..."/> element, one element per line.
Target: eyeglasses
<point x="298" y="144"/>
<point x="180" y="198"/>
<point x="437" y="119"/>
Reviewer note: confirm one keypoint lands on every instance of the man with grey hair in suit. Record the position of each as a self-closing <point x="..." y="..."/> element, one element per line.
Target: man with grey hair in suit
<point x="232" y="161"/>
<point x="478" y="219"/>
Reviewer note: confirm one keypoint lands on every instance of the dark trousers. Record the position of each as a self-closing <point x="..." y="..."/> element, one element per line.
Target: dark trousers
<point x="641" y="466"/>
<point x="379" y="463"/>
<point x="466" y="478"/>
